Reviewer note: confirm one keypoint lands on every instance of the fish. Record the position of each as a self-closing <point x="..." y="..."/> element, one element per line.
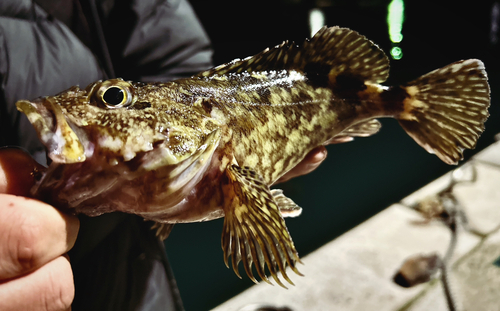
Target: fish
<point x="211" y="145"/>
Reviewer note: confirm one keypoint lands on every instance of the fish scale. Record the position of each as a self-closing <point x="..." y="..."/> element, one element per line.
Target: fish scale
<point x="285" y="121"/>
<point x="210" y="146"/>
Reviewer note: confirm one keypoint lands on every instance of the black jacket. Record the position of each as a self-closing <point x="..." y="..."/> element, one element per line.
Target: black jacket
<point x="47" y="46"/>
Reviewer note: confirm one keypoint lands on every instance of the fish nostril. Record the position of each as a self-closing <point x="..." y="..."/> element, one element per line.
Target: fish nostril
<point x="141" y="105"/>
<point x="158" y="143"/>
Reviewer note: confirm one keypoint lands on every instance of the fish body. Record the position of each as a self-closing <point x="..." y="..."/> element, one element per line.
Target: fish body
<point x="210" y="146"/>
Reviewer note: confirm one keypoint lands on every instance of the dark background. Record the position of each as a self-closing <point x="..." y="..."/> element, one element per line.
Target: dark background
<point x="359" y="178"/>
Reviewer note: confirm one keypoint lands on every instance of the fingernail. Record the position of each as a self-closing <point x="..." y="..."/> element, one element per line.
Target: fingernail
<point x="320" y="155"/>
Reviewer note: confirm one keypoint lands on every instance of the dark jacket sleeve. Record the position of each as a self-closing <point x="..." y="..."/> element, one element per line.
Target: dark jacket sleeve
<point x="38" y="56"/>
<point x="117" y="261"/>
<point x="160" y="41"/>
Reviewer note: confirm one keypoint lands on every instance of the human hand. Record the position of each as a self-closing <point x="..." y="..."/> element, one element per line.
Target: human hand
<point x="312" y="160"/>
<point x="34" y="272"/>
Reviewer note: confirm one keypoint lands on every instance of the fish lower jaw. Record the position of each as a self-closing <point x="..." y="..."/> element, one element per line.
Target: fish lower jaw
<point x="62" y="143"/>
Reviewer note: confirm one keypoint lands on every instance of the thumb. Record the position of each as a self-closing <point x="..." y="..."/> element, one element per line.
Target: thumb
<point x="18" y="171"/>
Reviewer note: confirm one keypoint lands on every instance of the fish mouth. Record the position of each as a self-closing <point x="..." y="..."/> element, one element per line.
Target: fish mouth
<point x="62" y="143"/>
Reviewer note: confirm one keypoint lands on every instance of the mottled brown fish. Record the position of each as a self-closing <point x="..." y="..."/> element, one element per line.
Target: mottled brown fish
<point x="210" y="146"/>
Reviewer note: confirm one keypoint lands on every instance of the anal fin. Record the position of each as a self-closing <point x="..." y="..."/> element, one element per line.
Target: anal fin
<point x="287" y="207"/>
<point x="361" y="129"/>
<point x="254" y="230"/>
<point x="162" y="229"/>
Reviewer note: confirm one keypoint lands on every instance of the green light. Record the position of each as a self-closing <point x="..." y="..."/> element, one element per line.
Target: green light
<point x="395" y="19"/>
<point x="396" y="52"/>
<point x="316" y="20"/>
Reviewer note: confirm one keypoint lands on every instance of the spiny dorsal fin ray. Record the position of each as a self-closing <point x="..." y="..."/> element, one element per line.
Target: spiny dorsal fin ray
<point x="347" y="53"/>
<point x="446" y="109"/>
<point x="254" y="230"/>
<point x="331" y="52"/>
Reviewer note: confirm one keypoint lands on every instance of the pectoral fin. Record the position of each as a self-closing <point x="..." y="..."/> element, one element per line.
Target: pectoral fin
<point x="254" y="230"/>
<point x="194" y="166"/>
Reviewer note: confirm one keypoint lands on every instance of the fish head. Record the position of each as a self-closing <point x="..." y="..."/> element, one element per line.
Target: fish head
<point x="116" y="117"/>
<point x="118" y="145"/>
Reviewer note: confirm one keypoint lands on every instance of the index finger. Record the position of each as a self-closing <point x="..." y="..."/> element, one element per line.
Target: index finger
<point x="32" y="233"/>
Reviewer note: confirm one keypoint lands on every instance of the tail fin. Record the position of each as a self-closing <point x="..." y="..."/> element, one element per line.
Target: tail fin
<point x="446" y="109"/>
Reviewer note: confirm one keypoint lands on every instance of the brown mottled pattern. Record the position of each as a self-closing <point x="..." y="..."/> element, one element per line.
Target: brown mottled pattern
<point x="273" y="117"/>
<point x="276" y="117"/>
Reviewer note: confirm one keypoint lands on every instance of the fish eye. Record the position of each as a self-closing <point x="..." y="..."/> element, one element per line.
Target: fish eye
<point x="114" y="93"/>
<point x="114" y="96"/>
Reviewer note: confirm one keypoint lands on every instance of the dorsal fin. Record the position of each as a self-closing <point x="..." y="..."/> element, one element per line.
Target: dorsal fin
<point x="331" y="52"/>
